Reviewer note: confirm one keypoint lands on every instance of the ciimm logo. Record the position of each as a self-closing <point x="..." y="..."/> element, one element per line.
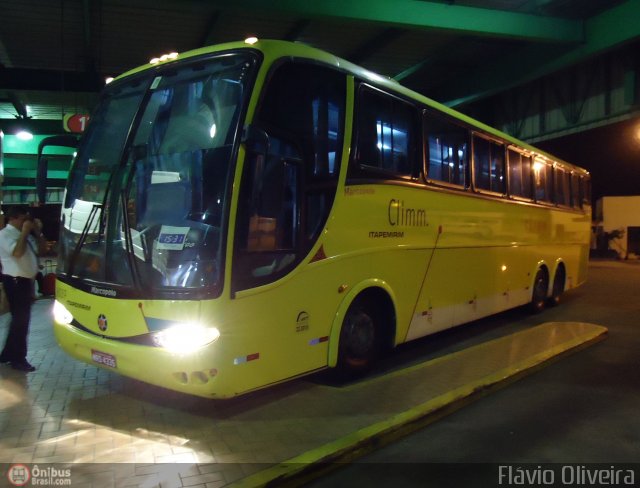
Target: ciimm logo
<point x="18" y="474"/>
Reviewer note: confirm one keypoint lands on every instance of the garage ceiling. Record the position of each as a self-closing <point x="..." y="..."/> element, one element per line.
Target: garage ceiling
<point x="55" y="54"/>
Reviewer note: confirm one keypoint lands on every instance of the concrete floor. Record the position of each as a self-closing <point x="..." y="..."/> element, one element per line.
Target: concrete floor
<point x="580" y="409"/>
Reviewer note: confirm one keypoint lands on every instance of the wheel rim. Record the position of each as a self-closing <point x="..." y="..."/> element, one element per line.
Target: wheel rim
<point x="558" y="284"/>
<point x="539" y="291"/>
<point x="359" y="335"/>
<point x="541" y="288"/>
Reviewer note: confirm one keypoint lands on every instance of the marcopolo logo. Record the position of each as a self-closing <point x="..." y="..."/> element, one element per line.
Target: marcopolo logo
<point x="20" y="475"/>
<point x="105" y="292"/>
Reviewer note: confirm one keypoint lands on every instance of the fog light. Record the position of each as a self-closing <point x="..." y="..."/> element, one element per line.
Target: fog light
<point x="61" y="314"/>
<point x="185" y="338"/>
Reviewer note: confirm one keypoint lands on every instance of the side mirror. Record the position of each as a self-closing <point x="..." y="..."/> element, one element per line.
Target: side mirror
<point x="139" y="152"/>
<point x="255" y="139"/>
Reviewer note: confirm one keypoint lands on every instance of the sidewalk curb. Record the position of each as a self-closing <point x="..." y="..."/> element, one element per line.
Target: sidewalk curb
<point x="313" y="463"/>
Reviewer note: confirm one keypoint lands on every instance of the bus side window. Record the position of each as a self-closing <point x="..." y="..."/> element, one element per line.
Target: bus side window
<point x="576" y="201"/>
<point x="386" y="136"/>
<point x="446" y="148"/>
<point x="488" y="164"/>
<point x="542" y="181"/>
<point x="519" y="174"/>
<point x="527" y="165"/>
<point x="585" y="190"/>
<point x="288" y="188"/>
<point x="562" y="187"/>
<point x="273" y="223"/>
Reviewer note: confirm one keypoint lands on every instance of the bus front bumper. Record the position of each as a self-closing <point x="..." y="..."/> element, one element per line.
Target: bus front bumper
<point x="194" y="373"/>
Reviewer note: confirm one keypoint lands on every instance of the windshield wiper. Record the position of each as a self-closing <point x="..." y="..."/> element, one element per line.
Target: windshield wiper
<point x="89" y="223"/>
<point x="103" y="218"/>
<point x="83" y="236"/>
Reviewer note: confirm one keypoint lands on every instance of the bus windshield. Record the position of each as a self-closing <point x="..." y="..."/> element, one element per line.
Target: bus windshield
<point x="147" y="194"/>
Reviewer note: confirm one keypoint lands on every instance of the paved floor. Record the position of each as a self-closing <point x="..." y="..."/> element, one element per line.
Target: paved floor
<point x="69" y="412"/>
<point x="581" y="410"/>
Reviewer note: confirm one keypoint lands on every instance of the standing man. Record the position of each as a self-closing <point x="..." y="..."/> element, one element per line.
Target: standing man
<point x="20" y="243"/>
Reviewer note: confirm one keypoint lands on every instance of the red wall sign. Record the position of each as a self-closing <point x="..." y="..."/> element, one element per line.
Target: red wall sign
<point x="75" y="122"/>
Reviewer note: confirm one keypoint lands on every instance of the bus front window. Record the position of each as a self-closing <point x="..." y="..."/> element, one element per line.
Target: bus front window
<point x="160" y="225"/>
<point x="82" y="243"/>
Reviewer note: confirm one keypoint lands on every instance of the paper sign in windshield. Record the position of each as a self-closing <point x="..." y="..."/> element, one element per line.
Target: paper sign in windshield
<point x="172" y="238"/>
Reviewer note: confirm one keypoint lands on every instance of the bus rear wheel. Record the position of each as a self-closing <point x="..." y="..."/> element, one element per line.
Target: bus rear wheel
<point x="540" y="288"/>
<point x="558" y="287"/>
<point x="359" y="345"/>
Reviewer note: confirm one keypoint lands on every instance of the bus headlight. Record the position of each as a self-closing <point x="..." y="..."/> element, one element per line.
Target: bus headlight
<point x="61" y="314"/>
<point x="185" y="338"/>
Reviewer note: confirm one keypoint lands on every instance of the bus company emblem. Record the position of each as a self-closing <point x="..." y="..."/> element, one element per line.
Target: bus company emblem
<point x="302" y="322"/>
<point x="403" y="216"/>
<point x="102" y="322"/>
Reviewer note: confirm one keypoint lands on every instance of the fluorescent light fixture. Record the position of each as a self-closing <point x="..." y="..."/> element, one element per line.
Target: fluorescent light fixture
<point x="183" y="338"/>
<point x="61" y="314"/>
<point x="24" y="135"/>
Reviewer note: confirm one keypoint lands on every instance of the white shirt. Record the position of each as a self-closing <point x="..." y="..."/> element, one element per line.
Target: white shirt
<point x="25" y="266"/>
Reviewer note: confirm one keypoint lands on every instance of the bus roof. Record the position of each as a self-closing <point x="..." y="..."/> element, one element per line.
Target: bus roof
<point x="275" y="49"/>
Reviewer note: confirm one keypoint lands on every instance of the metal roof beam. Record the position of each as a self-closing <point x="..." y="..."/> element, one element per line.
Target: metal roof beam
<point x="370" y="47"/>
<point x="50" y="80"/>
<point x="89" y="59"/>
<point x="18" y="105"/>
<point x="5" y="61"/>
<point x="616" y="26"/>
<point x="431" y="15"/>
<point x="412" y="69"/>
<point x="450" y="47"/>
<point x="207" y="37"/>
<point x="296" y="30"/>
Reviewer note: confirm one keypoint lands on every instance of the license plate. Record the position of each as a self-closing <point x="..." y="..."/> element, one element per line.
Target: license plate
<point x="103" y="358"/>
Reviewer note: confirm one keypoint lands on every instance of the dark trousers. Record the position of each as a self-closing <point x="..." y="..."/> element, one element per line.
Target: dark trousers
<point x="20" y="297"/>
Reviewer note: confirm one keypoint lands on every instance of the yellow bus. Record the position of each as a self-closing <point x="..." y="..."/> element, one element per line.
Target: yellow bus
<point x="246" y="213"/>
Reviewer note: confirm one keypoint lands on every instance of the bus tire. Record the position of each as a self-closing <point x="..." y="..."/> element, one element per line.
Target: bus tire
<point x="359" y="344"/>
<point x="558" y="286"/>
<point x="540" y="289"/>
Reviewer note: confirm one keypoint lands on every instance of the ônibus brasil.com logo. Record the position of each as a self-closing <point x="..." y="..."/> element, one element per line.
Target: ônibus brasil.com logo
<point x="18" y="475"/>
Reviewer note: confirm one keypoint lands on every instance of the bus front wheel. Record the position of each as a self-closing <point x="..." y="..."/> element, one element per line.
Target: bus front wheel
<point x="359" y="344"/>
<point x="540" y="288"/>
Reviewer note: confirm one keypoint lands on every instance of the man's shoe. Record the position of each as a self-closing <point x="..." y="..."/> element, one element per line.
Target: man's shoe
<point x="23" y="366"/>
